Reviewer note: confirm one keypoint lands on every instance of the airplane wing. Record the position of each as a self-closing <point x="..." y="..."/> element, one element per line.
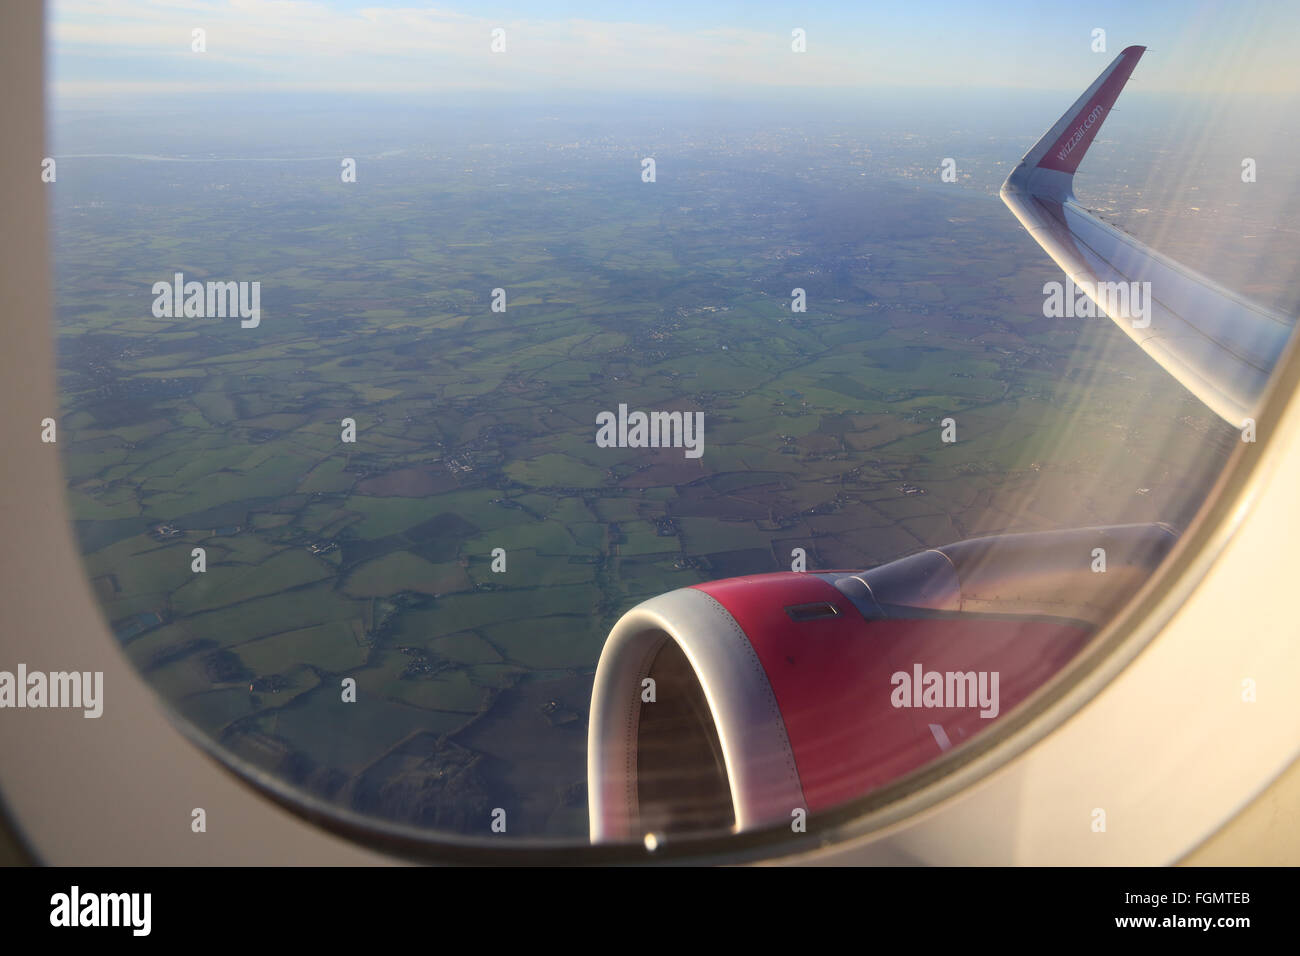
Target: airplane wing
<point x="1220" y="346"/>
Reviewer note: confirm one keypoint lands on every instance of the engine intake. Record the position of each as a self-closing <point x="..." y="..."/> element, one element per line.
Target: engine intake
<point x="734" y="704"/>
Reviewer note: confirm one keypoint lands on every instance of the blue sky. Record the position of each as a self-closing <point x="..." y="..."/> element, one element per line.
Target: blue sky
<point x="732" y="48"/>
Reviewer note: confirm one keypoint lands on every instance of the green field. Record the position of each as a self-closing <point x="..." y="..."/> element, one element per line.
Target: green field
<point x="373" y="560"/>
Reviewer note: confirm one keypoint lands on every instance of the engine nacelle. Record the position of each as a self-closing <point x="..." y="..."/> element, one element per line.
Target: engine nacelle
<point x="734" y="704"/>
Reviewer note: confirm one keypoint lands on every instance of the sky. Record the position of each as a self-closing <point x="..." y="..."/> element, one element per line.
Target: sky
<point x="735" y="49"/>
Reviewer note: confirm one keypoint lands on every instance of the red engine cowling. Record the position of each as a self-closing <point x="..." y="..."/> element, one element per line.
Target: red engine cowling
<point x="734" y="704"/>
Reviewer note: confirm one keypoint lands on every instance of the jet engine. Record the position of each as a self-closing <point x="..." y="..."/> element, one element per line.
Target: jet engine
<point x="738" y="703"/>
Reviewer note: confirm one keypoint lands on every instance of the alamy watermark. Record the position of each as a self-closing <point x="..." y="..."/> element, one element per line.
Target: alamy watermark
<point x="946" y="690"/>
<point x="211" y="300"/>
<point x="651" y="430"/>
<point x="76" y="908"/>
<point x="36" y="689"/>
<point x="1119" y="300"/>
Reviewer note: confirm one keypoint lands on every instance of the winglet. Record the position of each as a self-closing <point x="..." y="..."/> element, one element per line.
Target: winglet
<point x="1220" y="346"/>
<point x="1063" y="147"/>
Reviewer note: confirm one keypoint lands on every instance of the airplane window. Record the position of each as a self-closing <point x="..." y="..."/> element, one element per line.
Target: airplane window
<point x="485" y="433"/>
